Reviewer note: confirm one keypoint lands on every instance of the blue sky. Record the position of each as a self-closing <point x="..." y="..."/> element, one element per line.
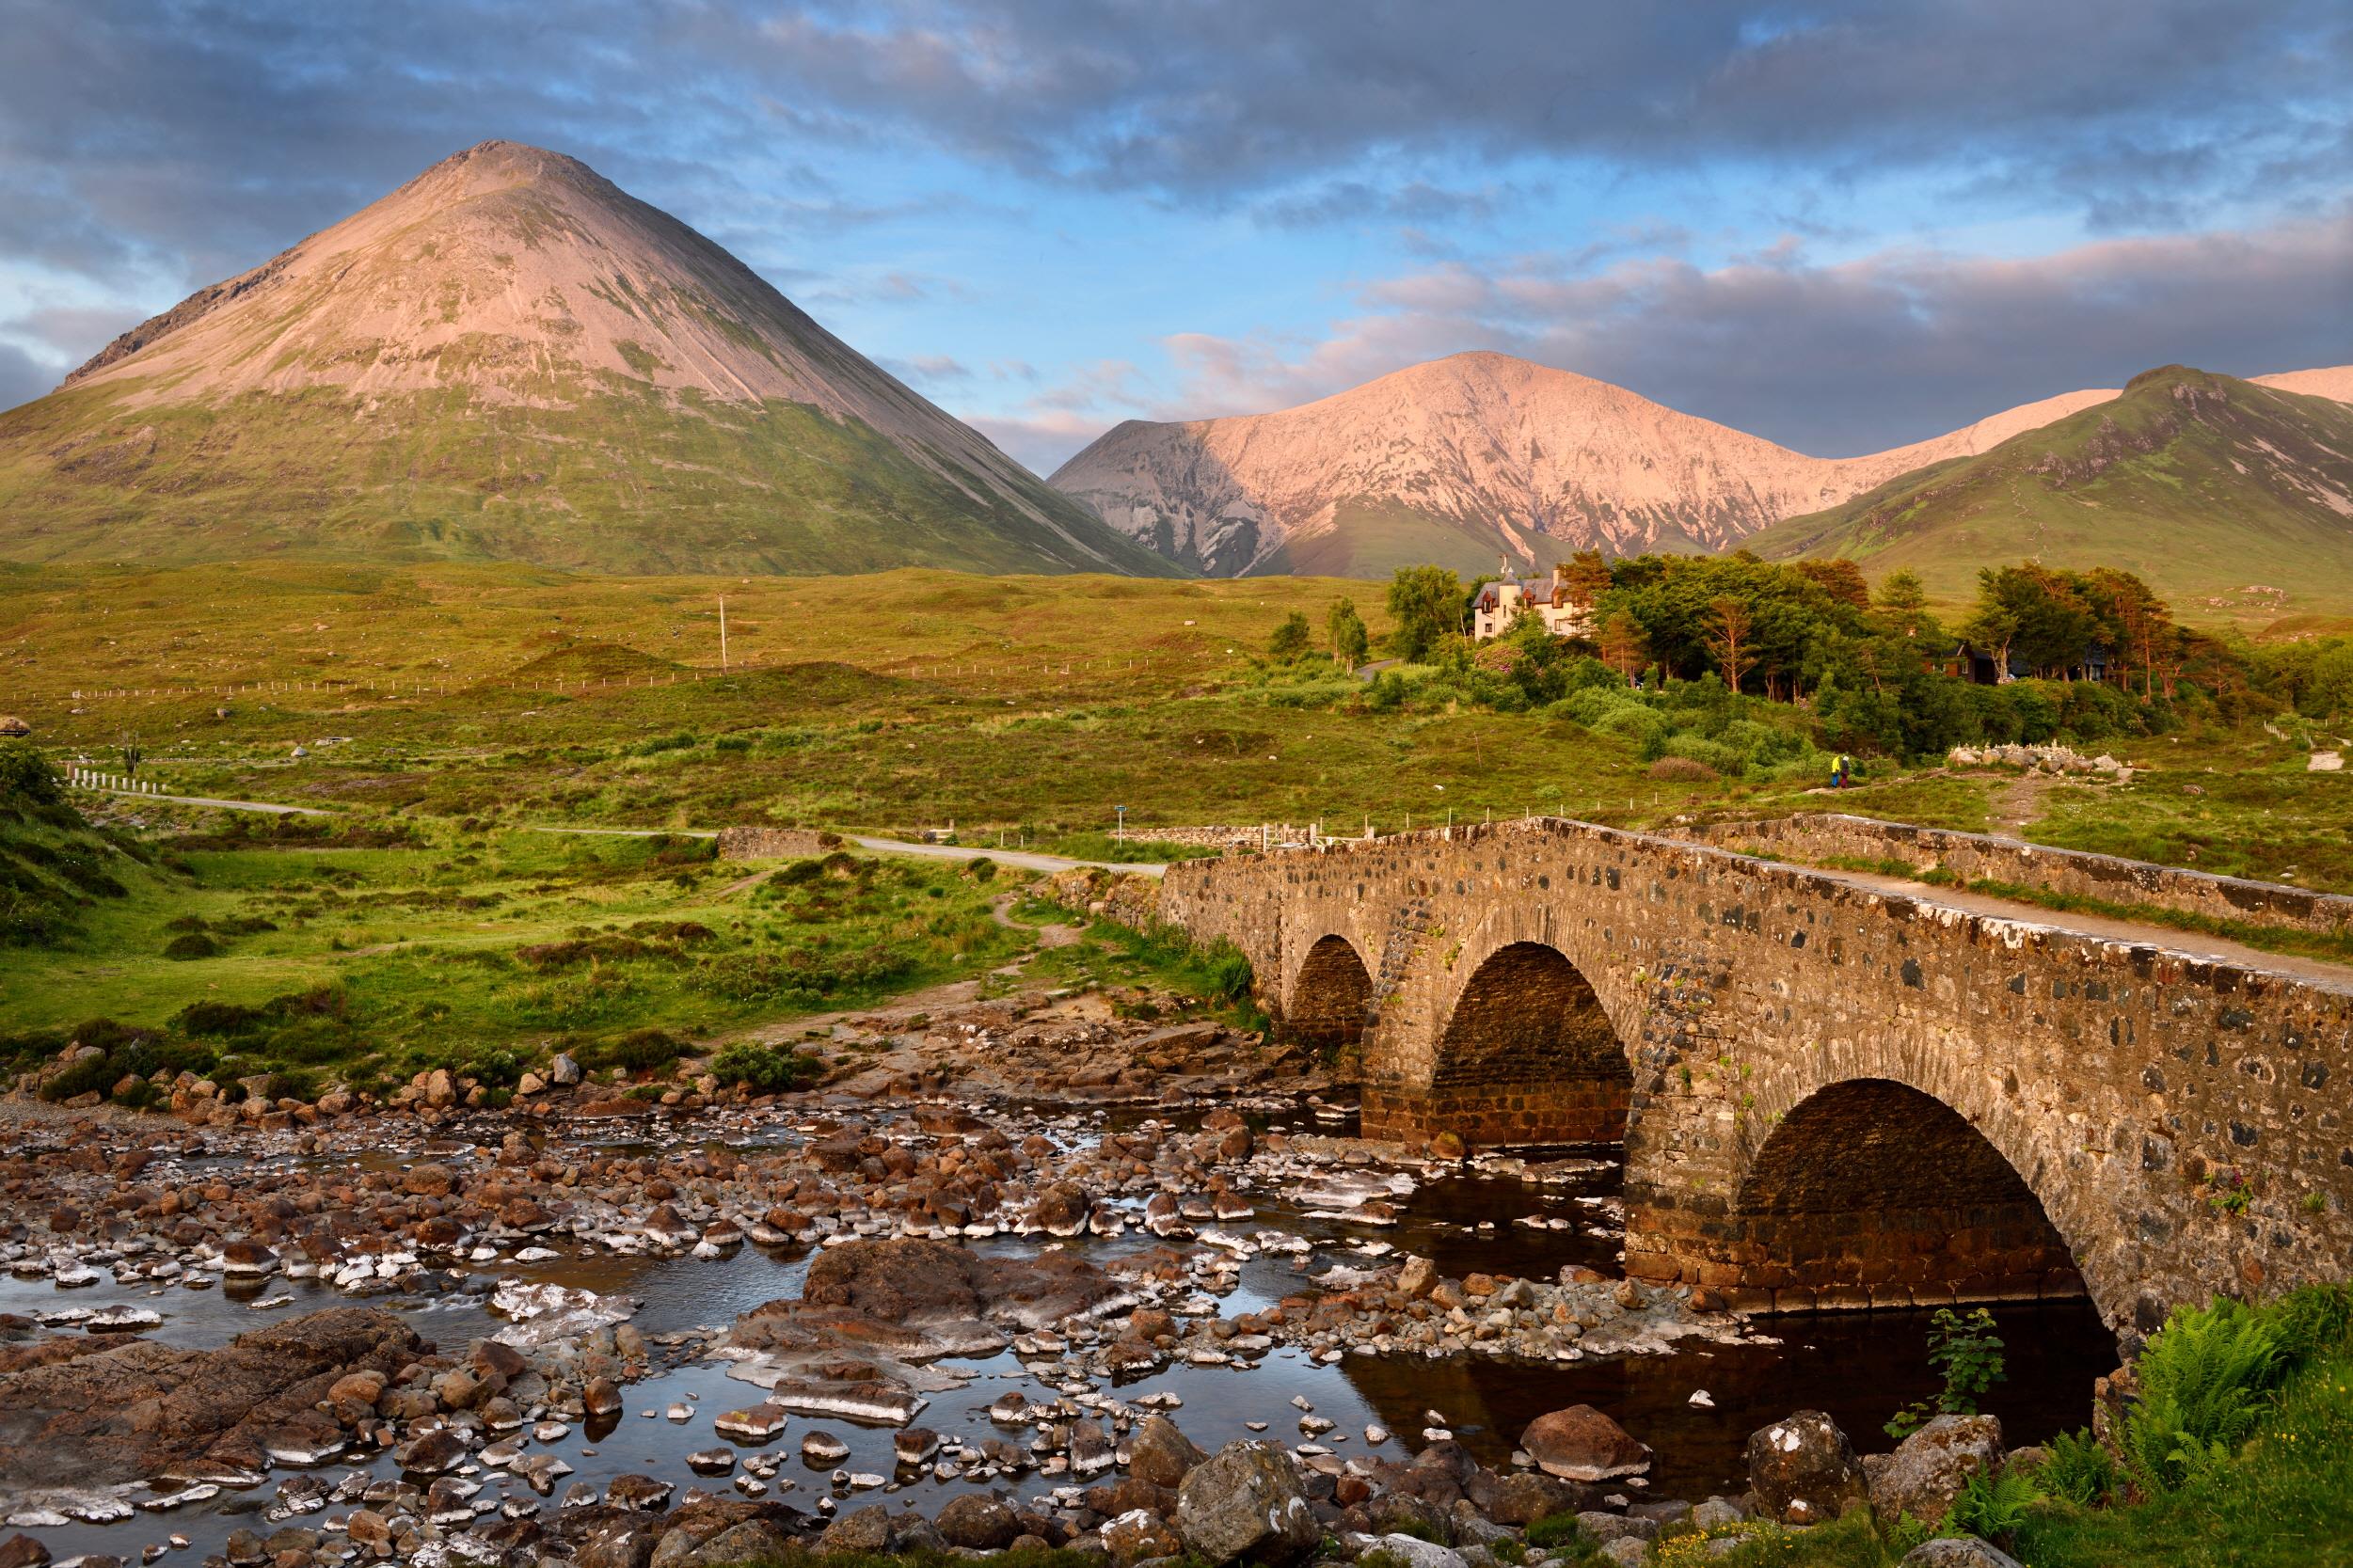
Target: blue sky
<point x="1843" y="226"/>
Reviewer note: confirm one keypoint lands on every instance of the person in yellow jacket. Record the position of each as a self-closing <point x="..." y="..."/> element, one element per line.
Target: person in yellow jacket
<point x="1840" y="767"/>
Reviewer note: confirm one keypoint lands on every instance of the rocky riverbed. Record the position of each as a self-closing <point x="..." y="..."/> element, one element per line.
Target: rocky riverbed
<point x="1017" y="1271"/>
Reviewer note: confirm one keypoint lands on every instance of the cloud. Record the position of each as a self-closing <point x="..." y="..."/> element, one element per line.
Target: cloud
<point x="1833" y="360"/>
<point x="22" y="378"/>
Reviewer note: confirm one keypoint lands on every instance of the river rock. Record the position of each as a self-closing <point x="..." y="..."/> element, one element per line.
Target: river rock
<point x="1414" y="1552"/>
<point x="1160" y="1454"/>
<point x="22" y="1551"/>
<point x="128" y="1412"/>
<point x="977" y="1521"/>
<point x="1928" y="1469"/>
<point x="865" y="1530"/>
<point x="1803" y="1469"/>
<point x="1245" y="1501"/>
<point x="1140" y="1535"/>
<point x="1524" y="1497"/>
<point x="1582" y="1444"/>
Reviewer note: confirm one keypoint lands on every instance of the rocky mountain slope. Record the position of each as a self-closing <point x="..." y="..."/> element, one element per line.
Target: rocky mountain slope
<point x="1470" y="457"/>
<point x="508" y="356"/>
<point x="2235" y="496"/>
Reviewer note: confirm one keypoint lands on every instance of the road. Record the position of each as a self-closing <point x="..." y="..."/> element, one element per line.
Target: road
<point x="270" y="806"/>
<point x="2196" y="944"/>
<point x="1024" y="859"/>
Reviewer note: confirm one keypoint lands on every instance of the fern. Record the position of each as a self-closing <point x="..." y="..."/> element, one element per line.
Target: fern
<point x="2205" y="1380"/>
<point x="1992" y="1507"/>
<point x="2079" y="1470"/>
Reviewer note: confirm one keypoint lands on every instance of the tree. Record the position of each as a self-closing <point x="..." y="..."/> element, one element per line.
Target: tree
<point x="1728" y="629"/>
<point x="1346" y="627"/>
<point x="1839" y="577"/>
<point x="2139" y="624"/>
<point x="1586" y="580"/>
<point x="1291" y="640"/>
<point x="1622" y="647"/>
<point x="128" y="745"/>
<point x="1426" y="602"/>
<point x="1903" y="602"/>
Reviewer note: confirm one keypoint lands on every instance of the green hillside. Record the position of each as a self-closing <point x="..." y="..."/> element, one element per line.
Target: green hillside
<point x="625" y="482"/>
<point x="2233" y="499"/>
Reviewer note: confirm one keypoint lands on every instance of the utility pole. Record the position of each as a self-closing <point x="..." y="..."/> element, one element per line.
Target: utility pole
<point x="722" y="631"/>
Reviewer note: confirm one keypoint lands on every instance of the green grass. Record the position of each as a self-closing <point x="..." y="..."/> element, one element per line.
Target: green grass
<point x="478" y="944"/>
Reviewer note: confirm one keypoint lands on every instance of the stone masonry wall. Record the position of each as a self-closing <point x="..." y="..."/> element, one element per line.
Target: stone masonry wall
<point x="768" y="843"/>
<point x="2182" y="1125"/>
<point x="1825" y="836"/>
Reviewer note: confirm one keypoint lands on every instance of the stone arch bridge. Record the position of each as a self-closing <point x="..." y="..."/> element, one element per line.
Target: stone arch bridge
<point x="1831" y="1094"/>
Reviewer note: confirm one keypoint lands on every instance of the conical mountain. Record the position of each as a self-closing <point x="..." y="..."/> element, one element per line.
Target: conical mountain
<point x="511" y="358"/>
<point x="1466" y="458"/>
<point x="2233" y="497"/>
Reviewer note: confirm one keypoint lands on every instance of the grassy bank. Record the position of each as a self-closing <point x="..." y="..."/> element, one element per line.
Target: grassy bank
<point x="418" y="947"/>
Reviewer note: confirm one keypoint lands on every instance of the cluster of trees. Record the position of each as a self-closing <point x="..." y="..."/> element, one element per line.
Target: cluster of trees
<point x="2041" y="652"/>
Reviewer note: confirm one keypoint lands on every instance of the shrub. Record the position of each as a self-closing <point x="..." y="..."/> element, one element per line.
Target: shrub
<point x="192" y="944"/>
<point x="1969" y="1354"/>
<point x="26" y="779"/>
<point x="764" y="1069"/>
<point x="1558" y="1529"/>
<point x="1683" y="770"/>
<point x="982" y="869"/>
<point x="639" y="1050"/>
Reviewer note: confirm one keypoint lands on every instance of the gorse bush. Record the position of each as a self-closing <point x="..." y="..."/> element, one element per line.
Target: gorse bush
<point x="764" y="1069"/>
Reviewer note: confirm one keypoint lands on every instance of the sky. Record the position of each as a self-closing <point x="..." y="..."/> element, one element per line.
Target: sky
<point x="1842" y="227"/>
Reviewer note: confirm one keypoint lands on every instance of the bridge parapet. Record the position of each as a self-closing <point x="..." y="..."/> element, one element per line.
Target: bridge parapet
<point x="1832" y="1096"/>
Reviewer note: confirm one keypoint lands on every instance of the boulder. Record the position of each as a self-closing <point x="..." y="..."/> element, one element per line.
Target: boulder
<point x="865" y="1530"/>
<point x="1803" y="1469"/>
<point x="1244" y="1500"/>
<point x="1061" y="1210"/>
<point x="1414" y="1552"/>
<point x="1160" y="1454"/>
<point x="1957" y="1551"/>
<point x="1140" y="1536"/>
<point x="22" y="1551"/>
<point x="1582" y="1444"/>
<point x="1417" y="1276"/>
<point x="1929" y="1467"/>
<point x="564" y="1071"/>
<point x="977" y="1521"/>
<point x="1524" y="1497"/>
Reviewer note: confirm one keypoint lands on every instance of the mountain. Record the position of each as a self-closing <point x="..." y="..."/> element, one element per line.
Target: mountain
<point x="1466" y="458"/>
<point x="511" y="358"/>
<point x="2229" y="494"/>
<point x="2334" y="382"/>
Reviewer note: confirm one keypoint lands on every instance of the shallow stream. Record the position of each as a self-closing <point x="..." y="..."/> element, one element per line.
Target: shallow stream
<point x="1858" y="1366"/>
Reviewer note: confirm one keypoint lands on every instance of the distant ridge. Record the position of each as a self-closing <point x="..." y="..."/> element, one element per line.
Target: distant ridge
<point x="511" y="358"/>
<point x="2235" y="496"/>
<point x="1464" y="459"/>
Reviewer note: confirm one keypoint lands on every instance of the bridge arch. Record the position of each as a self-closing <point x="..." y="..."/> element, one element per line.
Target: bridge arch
<point x="1528" y="1055"/>
<point x="1872" y="1192"/>
<point x="1329" y="999"/>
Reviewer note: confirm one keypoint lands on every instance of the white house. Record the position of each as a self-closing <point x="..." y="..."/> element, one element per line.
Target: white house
<point x="1505" y="599"/>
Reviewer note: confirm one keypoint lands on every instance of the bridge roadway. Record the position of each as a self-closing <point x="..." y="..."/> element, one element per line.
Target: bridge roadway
<point x="1834" y="1089"/>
